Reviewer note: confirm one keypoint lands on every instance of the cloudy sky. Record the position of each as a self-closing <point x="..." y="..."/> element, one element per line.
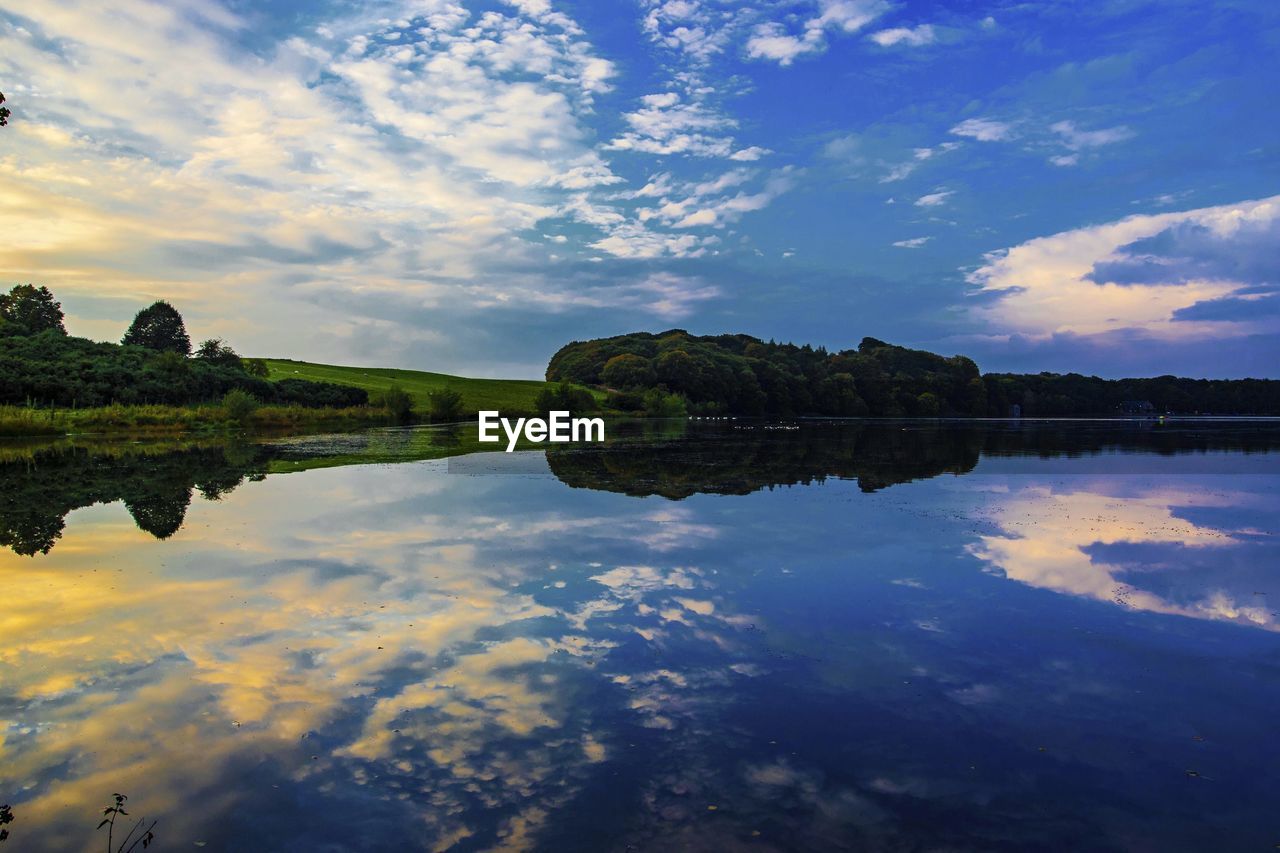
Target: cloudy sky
<point x="465" y="186"/>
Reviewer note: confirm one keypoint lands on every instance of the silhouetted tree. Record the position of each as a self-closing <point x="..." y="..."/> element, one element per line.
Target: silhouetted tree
<point x="161" y="514"/>
<point x="29" y="310"/>
<point x="4" y="112"/>
<point x="215" y="351"/>
<point x="159" y="327"/>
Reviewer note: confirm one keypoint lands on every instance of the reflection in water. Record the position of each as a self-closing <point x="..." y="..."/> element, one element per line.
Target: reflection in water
<point x="674" y="459"/>
<point x="1113" y="546"/>
<point x="38" y="489"/>
<point x="397" y="657"/>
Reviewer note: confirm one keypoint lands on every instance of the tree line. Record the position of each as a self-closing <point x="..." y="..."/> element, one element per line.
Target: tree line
<point x="675" y="372"/>
<point x="40" y="364"/>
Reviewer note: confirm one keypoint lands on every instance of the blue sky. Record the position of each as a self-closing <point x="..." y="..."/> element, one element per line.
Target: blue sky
<point x="465" y="187"/>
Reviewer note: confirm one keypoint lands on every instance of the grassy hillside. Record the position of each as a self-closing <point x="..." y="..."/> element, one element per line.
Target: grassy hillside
<point x="503" y="395"/>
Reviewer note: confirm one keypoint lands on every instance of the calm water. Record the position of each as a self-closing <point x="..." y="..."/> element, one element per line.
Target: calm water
<point x="723" y="637"/>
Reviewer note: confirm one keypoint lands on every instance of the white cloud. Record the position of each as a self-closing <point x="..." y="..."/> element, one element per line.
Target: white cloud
<point x="913" y="243"/>
<point x="909" y="36"/>
<point x="1047" y="285"/>
<point x="667" y="124"/>
<point x="983" y="129"/>
<point x="1075" y="138"/>
<point x="394" y="154"/>
<point x="934" y="199"/>
<point x="774" y="41"/>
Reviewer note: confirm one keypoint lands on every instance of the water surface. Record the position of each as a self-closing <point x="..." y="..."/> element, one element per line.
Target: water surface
<point x="757" y="636"/>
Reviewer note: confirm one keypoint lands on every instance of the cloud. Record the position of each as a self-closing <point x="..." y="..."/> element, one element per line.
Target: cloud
<point x="286" y="192"/>
<point x="934" y="199"/>
<point x="695" y="29"/>
<point x="1172" y="276"/>
<point x="667" y="123"/>
<point x="1072" y="541"/>
<point x="907" y="36"/>
<point x="774" y="41"/>
<point x="983" y="129"/>
<point x="913" y="243"/>
<point x="1077" y="140"/>
<point x="683" y="205"/>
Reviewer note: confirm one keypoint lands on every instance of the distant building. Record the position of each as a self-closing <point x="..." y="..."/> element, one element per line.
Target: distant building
<point x="1137" y="407"/>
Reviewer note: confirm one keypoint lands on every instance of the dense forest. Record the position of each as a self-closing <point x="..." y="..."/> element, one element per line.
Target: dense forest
<point x="40" y="364"/>
<point x="675" y="372"/>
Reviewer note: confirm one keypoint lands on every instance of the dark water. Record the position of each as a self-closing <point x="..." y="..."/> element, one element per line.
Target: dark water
<point x="704" y="637"/>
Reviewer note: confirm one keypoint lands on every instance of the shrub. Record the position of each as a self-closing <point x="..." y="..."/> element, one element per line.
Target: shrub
<point x="445" y="404"/>
<point x="398" y="403"/>
<point x="564" y="398"/>
<point x="255" y="367"/>
<point x="660" y="404"/>
<point x="239" y="404"/>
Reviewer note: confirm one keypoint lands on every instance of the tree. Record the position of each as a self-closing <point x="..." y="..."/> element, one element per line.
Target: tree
<point x="215" y="351"/>
<point x="627" y="371"/>
<point x="564" y="398"/>
<point x="398" y="403"/>
<point x="239" y="404"/>
<point x="445" y="404"/>
<point x="29" y="310"/>
<point x="255" y="367"/>
<point x="660" y="404"/>
<point x="4" y="112"/>
<point x="159" y="327"/>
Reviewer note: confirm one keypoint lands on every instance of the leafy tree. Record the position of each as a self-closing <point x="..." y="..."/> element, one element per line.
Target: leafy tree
<point x="660" y="404"/>
<point x="398" y="403"/>
<point x="565" y="398"/>
<point x="627" y="371"/>
<point x="215" y="351"/>
<point x="445" y="404"/>
<point x="255" y="367"/>
<point x="159" y="327"/>
<point x="239" y="404"/>
<point x="4" y="112"/>
<point x="29" y="310"/>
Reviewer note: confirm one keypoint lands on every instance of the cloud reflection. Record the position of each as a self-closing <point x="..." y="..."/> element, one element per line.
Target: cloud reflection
<point x="1064" y="539"/>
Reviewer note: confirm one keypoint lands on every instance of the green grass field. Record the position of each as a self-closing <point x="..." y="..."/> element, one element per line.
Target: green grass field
<point x="504" y="395"/>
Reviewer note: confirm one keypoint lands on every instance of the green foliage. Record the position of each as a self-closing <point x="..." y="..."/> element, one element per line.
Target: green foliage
<point x="1058" y="395"/>
<point x="159" y="327"/>
<point x="398" y="402"/>
<point x="661" y="404"/>
<point x="29" y="310"/>
<point x="255" y="367"/>
<point x="214" y="351"/>
<point x="239" y="404"/>
<point x="627" y="371"/>
<point x="53" y="369"/>
<point x="444" y="404"/>
<point x="742" y="375"/>
<point x="565" y="398"/>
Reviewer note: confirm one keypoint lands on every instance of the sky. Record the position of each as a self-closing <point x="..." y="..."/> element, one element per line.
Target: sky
<point x="465" y="187"/>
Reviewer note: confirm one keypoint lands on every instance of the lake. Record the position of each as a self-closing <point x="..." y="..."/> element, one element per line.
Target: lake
<point x="703" y="636"/>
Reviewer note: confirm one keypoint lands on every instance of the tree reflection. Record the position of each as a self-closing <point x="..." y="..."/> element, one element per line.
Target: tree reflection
<point x="737" y="458"/>
<point x="37" y="492"/>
